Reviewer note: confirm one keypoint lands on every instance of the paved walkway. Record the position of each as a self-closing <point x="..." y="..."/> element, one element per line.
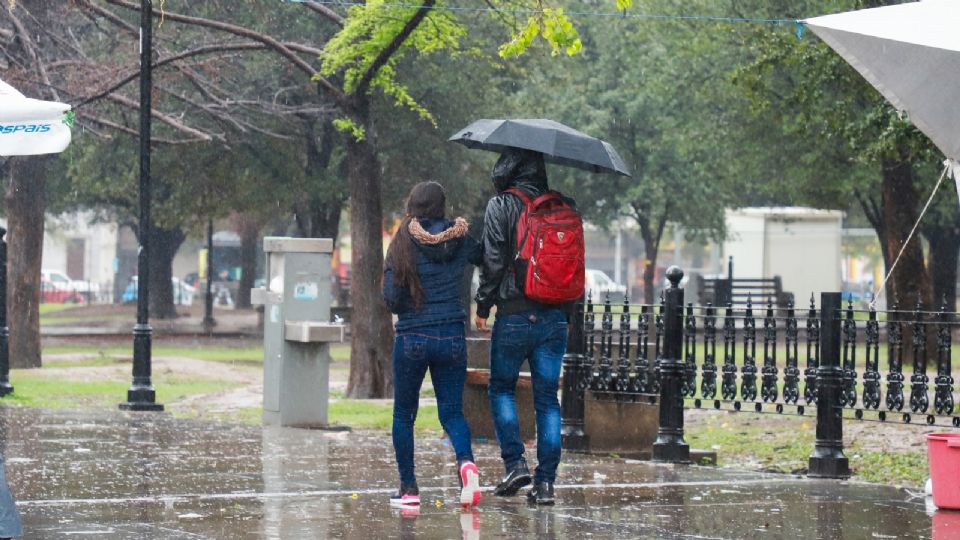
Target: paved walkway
<point x="142" y="475"/>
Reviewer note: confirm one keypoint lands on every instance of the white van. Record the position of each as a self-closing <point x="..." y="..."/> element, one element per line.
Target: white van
<point x="600" y="285"/>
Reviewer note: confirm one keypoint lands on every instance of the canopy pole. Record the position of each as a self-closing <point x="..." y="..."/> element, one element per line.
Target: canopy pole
<point x="876" y="293"/>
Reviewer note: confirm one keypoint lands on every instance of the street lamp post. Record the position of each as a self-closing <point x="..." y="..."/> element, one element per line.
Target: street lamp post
<point x="141" y="396"/>
<point x="208" y="321"/>
<point x="5" y="386"/>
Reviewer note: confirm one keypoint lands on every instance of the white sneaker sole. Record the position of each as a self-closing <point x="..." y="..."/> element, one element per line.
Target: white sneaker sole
<point x="407" y="501"/>
<point x="470" y="494"/>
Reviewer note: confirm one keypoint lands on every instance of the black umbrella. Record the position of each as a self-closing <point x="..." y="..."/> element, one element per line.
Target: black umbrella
<point x="558" y="143"/>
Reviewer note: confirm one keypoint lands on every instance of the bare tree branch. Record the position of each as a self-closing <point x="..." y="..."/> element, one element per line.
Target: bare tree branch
<point x="166" y="119"/>
<point x="236" y="30"/>
<point x="394" y="45"/>
<point x="187" y="54"/>
<point x="326" y="12"/>
<point x="31" y="49"/>
<point x="112" y="17"/>
<point x="134" y="132"/>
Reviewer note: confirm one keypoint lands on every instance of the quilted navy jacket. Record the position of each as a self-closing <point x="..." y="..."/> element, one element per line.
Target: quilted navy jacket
<point x="441" y="269"/>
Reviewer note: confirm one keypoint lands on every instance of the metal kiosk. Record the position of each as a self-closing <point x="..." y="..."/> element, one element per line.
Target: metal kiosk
<point x="297" y="332"/>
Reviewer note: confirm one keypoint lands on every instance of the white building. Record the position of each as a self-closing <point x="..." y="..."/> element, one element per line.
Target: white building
<point x="78" y="246"/>
<point x="801" y="245"/>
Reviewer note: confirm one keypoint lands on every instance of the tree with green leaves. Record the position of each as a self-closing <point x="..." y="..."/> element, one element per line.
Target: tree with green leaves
<point x="809" y="92"/>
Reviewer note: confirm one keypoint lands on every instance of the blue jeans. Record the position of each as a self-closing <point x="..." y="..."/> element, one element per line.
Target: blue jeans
<point x="442" y="350"/>
<point x="540" y="336"/>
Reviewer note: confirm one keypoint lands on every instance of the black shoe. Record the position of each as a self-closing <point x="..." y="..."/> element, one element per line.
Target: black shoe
<point x="516" y="478"/>
<point x="407" y="495"/>
<point x="542" y="493"/>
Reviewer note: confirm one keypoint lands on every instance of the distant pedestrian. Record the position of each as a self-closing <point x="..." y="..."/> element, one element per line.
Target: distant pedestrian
<point x="423" y="284"/>
<point x="530" y="324"/>
<point x="10" y="526"/>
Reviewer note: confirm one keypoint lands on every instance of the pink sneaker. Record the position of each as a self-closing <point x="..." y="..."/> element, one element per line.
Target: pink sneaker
<point x="407" y="495"/>
<point x="469" y="484"/>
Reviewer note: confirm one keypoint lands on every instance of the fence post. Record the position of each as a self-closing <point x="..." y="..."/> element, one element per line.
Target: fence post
<point x="5" y="386"/>
<point x="572" y="436"/>
<point x="670" y="445"/>
<point x="827" y="459"/>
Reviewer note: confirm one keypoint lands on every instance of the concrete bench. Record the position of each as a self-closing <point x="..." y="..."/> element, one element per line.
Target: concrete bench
<point x="625" y="428"/>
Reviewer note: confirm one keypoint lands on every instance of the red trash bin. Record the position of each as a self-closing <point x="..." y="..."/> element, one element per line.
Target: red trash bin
<point x="943" y="453"/>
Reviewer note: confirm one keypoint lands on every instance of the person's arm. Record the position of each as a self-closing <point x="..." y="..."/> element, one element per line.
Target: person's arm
<point x="474" y="251"/>
<point x="392" y="295"/>
<point x="496" y="254"/>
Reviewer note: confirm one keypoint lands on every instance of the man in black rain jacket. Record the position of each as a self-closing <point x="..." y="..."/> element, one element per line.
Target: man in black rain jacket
<point x="523" y="330"/>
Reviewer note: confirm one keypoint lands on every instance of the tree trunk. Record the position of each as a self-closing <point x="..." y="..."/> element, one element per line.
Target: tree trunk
<point x="371" y="329"/>
<point x="651" y="248"/>
<point x="910" y="282"/>
<point x="319" y="215"/>
<point x="26" y="207"/>
<point x="942" y="260"/>
<point x="650" y="252"/>
<point x="249" y="231"/>
<point x="874" y="213"/>
<point x="163" y="248"/>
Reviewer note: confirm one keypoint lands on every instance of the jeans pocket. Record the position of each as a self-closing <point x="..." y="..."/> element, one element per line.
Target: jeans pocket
<point x="414" y="347"/>
<point x="458" y="351"/>
<point x="514" y="335"/>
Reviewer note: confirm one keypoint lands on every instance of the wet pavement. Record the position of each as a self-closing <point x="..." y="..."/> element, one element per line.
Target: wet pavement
<point x="143" y="475"/>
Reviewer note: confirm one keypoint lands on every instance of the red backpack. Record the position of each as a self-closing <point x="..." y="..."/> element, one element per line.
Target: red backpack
<point x="550" y="251"/>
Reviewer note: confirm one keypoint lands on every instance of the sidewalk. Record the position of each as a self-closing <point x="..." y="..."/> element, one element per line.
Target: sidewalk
<point x="142" y="475"/>
<point x="109" y="320"/>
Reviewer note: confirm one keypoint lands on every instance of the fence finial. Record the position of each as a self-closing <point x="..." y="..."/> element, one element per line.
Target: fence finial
<point x="674" y="274"/>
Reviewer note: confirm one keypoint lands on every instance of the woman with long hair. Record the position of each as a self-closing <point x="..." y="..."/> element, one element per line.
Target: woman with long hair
<point x="423" y="284"/>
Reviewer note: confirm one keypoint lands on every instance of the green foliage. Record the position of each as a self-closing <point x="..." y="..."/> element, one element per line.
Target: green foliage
<point x="805" y="94"/>
<point x="369" y="30"/>
<point x="346" y="125"/>
<point x="555" y="28"/>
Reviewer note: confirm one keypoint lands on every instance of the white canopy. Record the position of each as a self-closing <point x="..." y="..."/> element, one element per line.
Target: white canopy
<point x="30" y="127"/>
<point x="911" y="54"/>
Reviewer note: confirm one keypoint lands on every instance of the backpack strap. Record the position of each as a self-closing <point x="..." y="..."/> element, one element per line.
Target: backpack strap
<point x="546" y="197"/>
<point x="549" y="195"/>
<point x="529" y="205"/>
<point x="519" y="193"/>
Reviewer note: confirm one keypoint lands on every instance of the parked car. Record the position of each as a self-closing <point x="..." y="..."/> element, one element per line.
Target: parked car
<point x="182" y="293"/>
<point x="62" y="282"/>
<point x="600" y="285"/>
<point x="51" y="294"/>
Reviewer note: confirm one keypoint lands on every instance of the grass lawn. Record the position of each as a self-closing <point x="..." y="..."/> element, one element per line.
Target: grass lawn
<point x="744" y="440"/>
<point x="239" y="355"/>
<point x="357" y="414"/>
<point x="34" y="389"/>
<point x="247" y="355"/>
<point x="54" y="308"/>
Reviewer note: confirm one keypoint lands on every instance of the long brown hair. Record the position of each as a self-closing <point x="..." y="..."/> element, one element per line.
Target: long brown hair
<point x="426" y="200"/>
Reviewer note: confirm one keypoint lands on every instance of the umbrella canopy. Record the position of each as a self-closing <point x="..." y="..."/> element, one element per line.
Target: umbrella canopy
<point x="558" y="143"/>
<point x="30" y="127"/>
<point x="911" y="54"/>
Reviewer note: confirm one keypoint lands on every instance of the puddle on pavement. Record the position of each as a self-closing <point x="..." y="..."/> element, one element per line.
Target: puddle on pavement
<point x="136" y="475"/>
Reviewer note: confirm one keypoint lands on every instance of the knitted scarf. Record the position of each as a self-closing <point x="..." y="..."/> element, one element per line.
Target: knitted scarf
<point x="459" y="229"/>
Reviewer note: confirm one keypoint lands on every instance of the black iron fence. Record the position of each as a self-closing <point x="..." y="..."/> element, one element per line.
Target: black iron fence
<point x="839" y="362"/>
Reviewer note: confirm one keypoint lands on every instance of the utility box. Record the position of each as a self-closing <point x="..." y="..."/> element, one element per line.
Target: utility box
<point x="297" y="331"/>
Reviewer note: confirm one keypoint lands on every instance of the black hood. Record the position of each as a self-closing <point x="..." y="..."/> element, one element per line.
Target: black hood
<point x="444" y="251"/>
<point x="520" y="168"/>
